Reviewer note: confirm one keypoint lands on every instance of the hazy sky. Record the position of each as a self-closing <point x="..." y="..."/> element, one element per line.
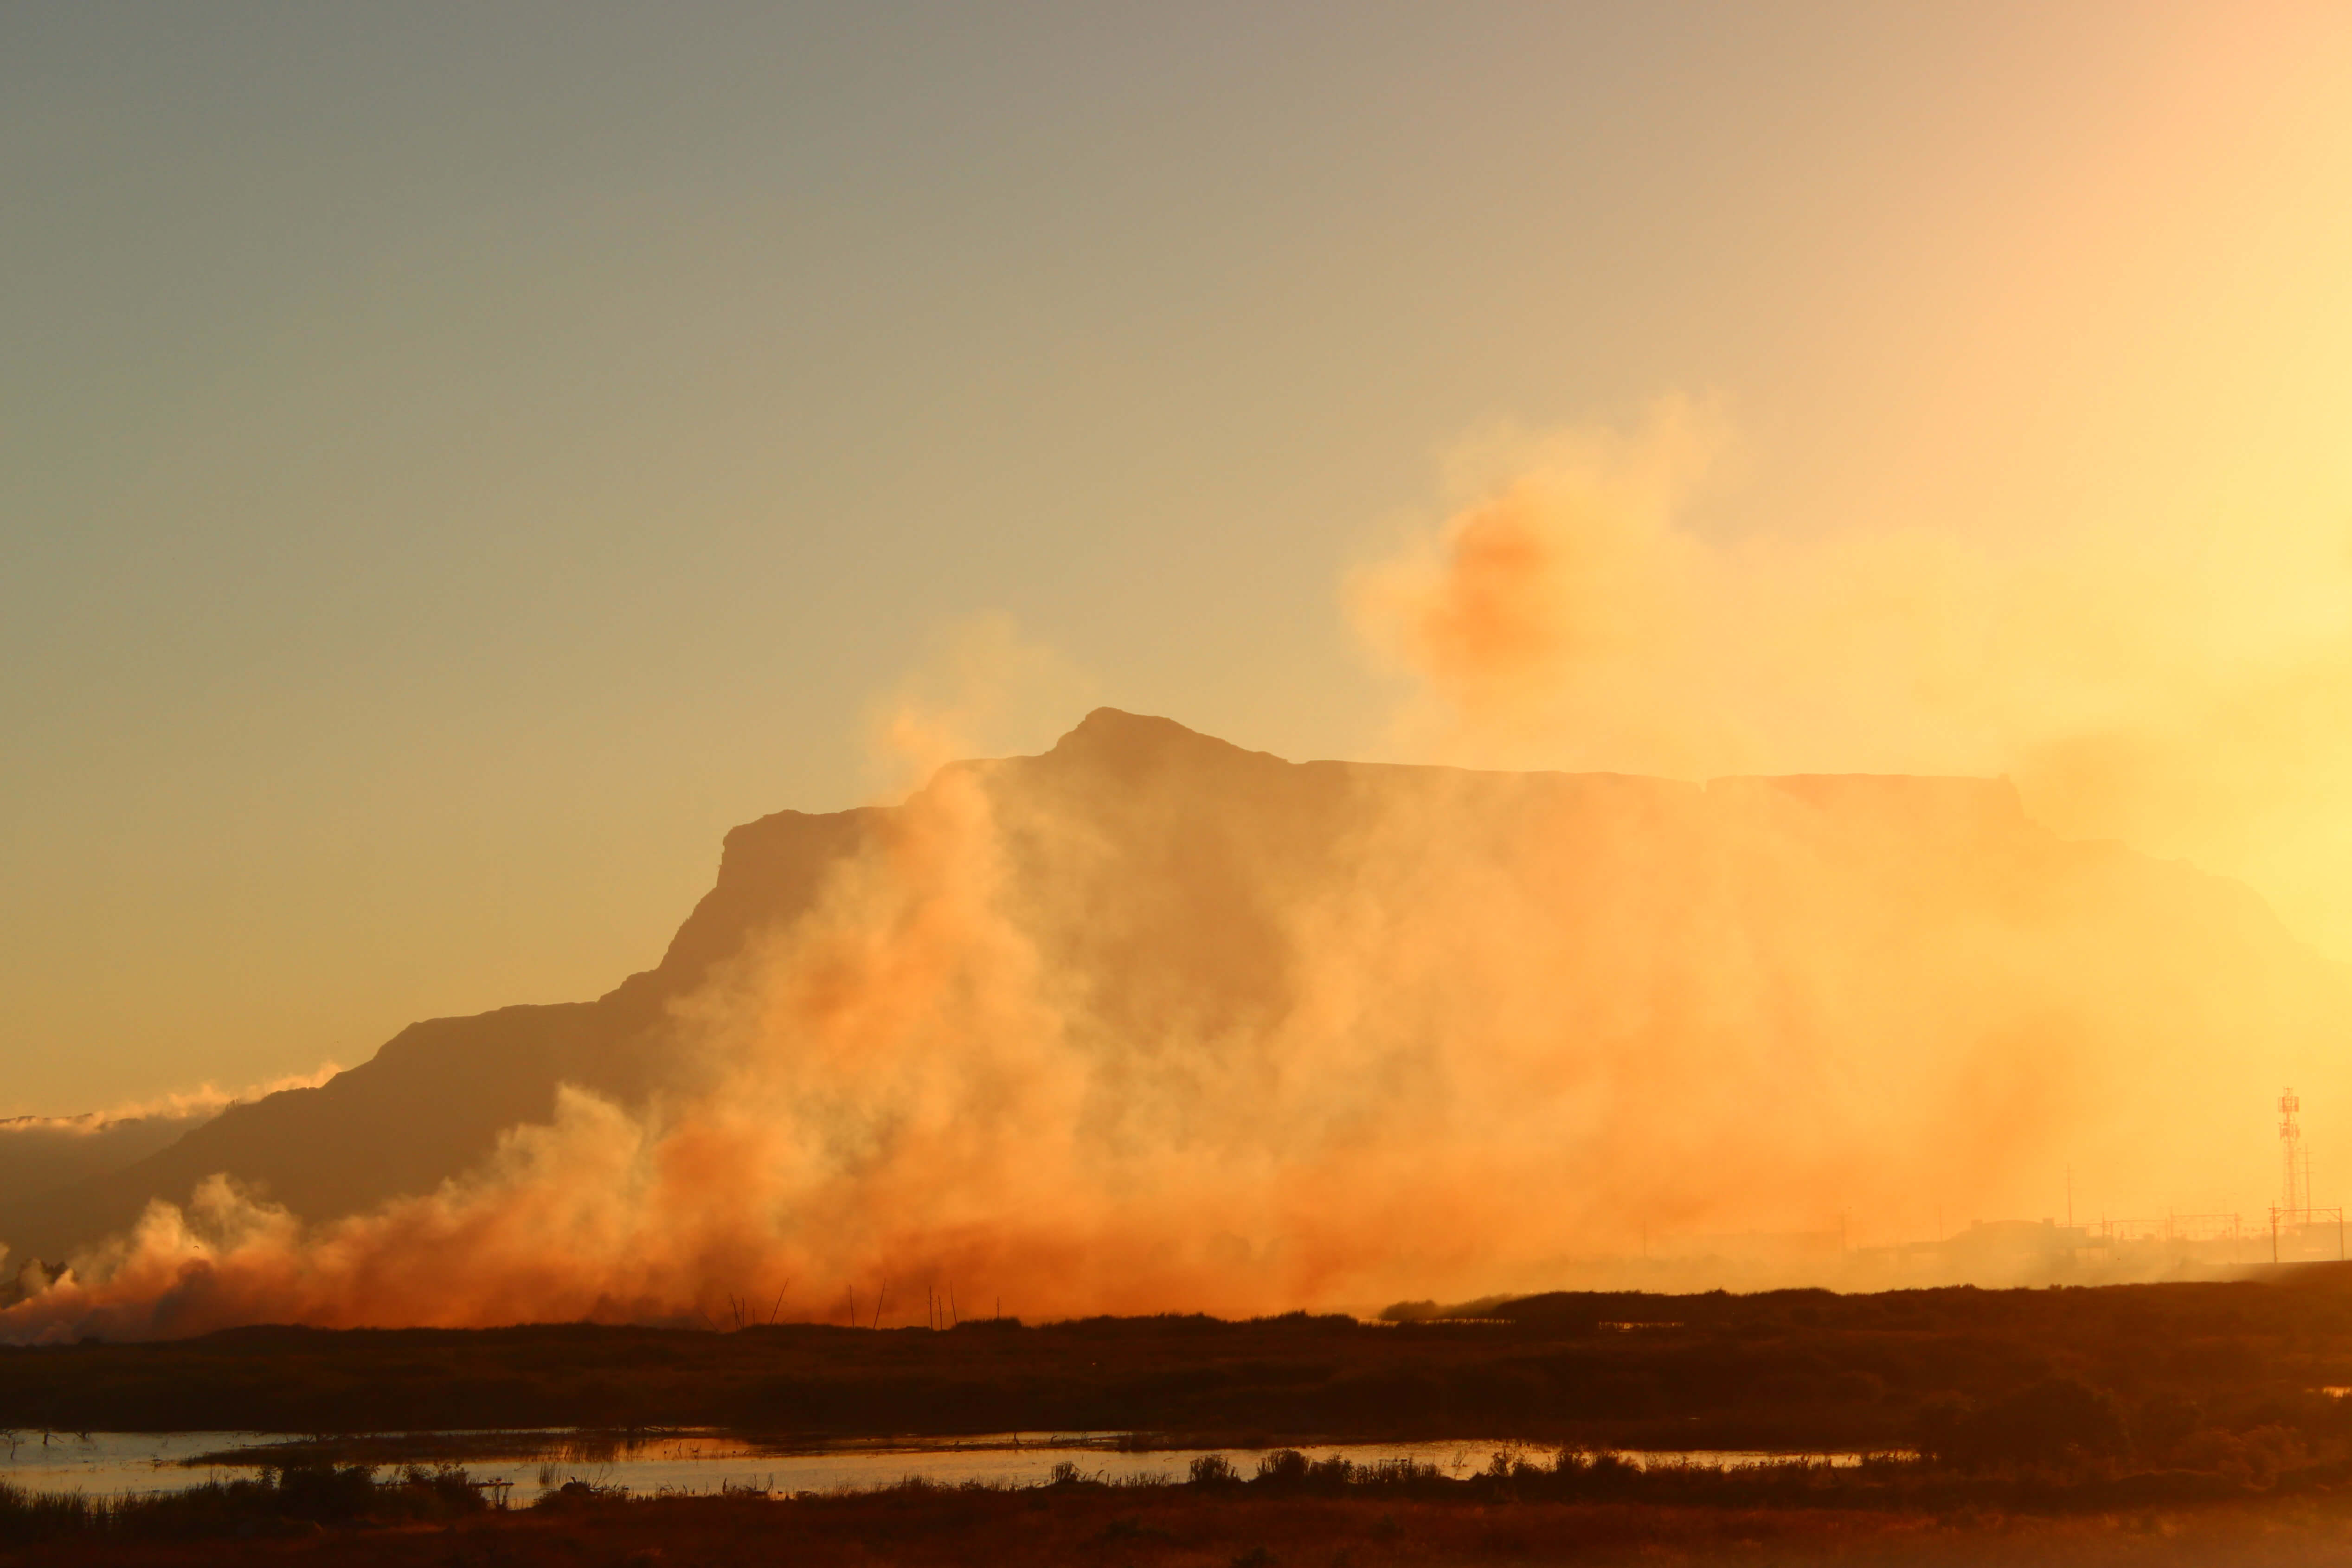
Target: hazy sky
<point x="455" y="461"/>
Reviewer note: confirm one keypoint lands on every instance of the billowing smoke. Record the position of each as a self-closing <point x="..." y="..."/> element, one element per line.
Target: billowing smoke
<point x="1151" y="1022"/>
<point x="1600" y="599"/>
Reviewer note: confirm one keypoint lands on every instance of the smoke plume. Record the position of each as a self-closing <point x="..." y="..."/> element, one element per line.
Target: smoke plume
<point x="1598" y="599"/>
<point x="1151" y="1022"/>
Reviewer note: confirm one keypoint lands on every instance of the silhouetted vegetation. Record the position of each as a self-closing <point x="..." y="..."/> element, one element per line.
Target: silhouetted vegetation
<point x="1570" y="1508"/>
<point x="296" y="1499"/>
<point x="2229" y="1378"/>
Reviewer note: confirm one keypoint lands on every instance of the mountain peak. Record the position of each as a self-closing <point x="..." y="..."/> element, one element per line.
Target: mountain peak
<point x="1114" y="740"/>
<point x="1212" y="926"/>
<point x="1115" y="726"/>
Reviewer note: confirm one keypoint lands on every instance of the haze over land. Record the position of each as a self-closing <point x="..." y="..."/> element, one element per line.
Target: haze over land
<point x="1151" y="1023"/>
<point x="1826" y="535"/>
<point x="38" y="1153"/>
<point x="456" y="467"/>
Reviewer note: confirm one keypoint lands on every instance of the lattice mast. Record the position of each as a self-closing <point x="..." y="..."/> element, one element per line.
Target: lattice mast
<point x="2297" y="1185"/>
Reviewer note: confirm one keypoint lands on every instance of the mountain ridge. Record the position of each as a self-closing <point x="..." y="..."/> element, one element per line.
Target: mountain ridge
<point x="1160" y="862"/>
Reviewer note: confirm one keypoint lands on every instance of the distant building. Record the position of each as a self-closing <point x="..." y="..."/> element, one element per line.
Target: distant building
<point x="2000" y="1247"/>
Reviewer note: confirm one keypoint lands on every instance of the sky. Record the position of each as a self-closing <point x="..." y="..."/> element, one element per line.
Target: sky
<point x="457" y="461"/>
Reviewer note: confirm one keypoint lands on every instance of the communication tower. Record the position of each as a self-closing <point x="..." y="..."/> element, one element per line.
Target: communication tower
<point x="2298" y="1186"/>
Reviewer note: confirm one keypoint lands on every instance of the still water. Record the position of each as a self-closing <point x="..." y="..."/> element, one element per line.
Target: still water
<point x="526" y="1464"/>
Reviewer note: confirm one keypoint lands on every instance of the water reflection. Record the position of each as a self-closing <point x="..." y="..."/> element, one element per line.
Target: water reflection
<point x="527" y="1463"/>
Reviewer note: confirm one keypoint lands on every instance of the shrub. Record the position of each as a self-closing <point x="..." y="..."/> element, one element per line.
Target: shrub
<point x="304" y="1495"/>
<point x="2061" y="1421"/>
<point x="1212" y="1470"/>
<point x="1285" y="1468"/>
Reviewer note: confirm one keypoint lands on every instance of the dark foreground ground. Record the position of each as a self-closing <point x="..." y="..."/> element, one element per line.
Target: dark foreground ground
<point x="2186" y="1423"/>
<point x="1185" y="1527"/>
<point x="2208" y="1376"/>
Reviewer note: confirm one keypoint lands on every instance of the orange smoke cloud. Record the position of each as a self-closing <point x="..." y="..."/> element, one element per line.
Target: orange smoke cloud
<point x="1151" y="1022"/>
<point x="1570" y="566"/>
<point x="828" y="1062"/>
<point x="2185" y="686"/>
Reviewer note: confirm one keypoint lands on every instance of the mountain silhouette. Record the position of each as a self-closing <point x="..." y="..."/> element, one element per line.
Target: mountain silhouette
<point x="1803" y="948"/>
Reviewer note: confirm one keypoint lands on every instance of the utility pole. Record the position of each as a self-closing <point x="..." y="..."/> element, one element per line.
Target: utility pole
<point x="2291" y="1149"/>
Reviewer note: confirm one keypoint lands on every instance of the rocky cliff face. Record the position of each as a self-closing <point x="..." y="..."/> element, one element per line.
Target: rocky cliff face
<point x="1755" y="1001"/>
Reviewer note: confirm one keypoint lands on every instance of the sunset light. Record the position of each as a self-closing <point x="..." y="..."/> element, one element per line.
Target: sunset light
<point x="1559" y="758"/>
